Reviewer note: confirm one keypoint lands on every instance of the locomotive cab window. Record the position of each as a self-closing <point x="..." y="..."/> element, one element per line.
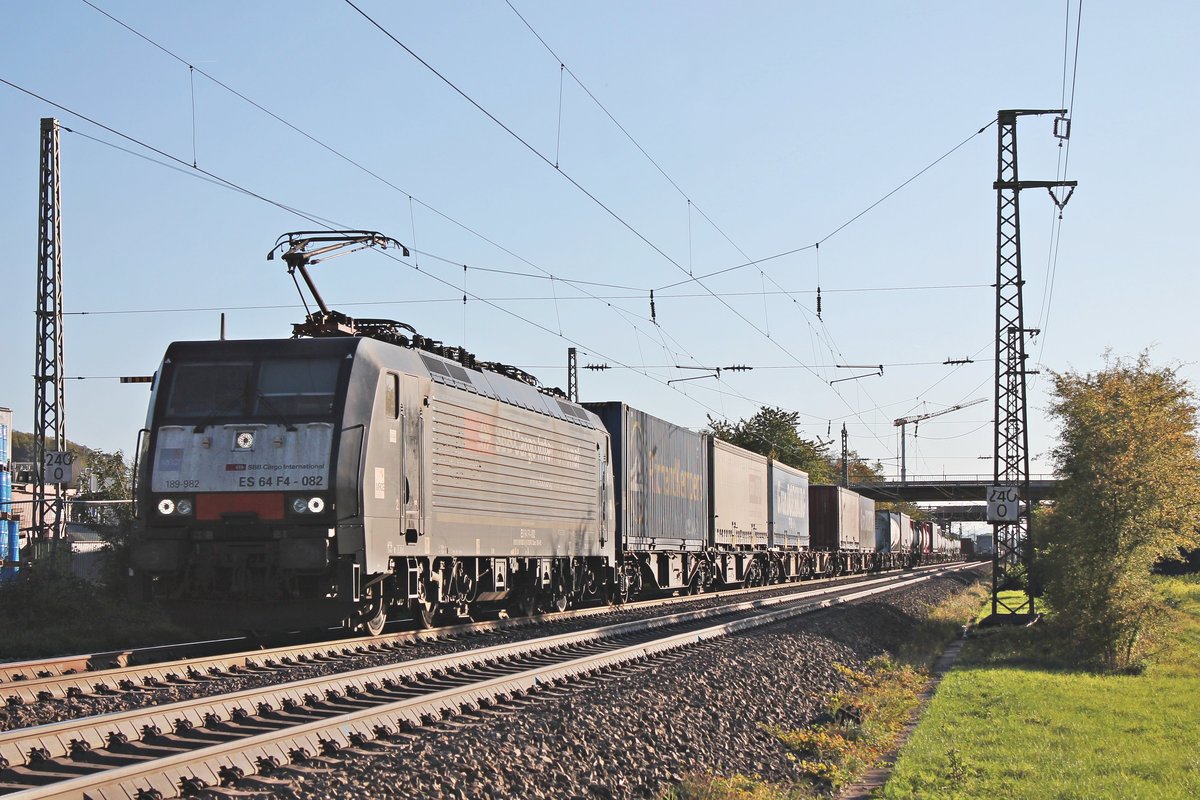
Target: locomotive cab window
<point x="209" y="390"/>
<point x="271" y="388"/>
<point x="392" y="395"/>
<point x="293" y="386"/>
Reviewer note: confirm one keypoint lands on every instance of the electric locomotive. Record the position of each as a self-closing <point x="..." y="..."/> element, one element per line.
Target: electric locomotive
<point x="361" y="470"/>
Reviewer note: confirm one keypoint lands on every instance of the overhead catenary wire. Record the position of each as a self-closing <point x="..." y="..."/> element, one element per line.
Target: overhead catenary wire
<point x="224" y="183"/>
<point x="319" y="142"/>
<point x="691" y="204"/>
<point x="587" y="193"/>
<point x="1064" y="154"/>
<point x="228" y="184"/>
<point x="562" y="66"/>
<point x="552" y="278"/>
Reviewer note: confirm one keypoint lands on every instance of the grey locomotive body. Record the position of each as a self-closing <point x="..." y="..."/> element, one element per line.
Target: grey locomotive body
<point x="311" y="481"/>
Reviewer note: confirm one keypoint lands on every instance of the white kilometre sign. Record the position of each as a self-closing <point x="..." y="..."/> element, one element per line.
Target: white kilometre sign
<point x="60" y="466"/>
<point x="1003" y="504"/>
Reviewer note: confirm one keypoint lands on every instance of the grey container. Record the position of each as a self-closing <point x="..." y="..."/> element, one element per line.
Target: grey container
<point x="833" y="518"/>
<point x="739" y="496"/>
<point x="889" y="526"/>
<point x="866" y="523"/>
<point x="661" y="480"/>
<point x="788" y="507"/>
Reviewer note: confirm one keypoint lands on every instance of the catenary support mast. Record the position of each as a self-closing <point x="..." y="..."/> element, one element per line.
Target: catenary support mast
<point x="49" y="404"/>
<point x="1013" y="552"/>
<point x="572" y="375"/>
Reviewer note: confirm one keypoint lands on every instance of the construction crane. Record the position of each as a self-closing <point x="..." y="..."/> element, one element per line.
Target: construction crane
<point x="903" y="422"/>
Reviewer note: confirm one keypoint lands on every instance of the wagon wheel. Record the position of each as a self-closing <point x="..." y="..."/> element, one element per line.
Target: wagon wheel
<point x="560" y="601"/>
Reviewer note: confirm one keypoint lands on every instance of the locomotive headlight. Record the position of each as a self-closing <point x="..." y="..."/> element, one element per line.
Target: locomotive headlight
<point x="166" y="506"/>
<point x="316" y="505"/>
<point x="184" y="507"/>
<point x="300" y="505"/>
<point x="244" y="440"/>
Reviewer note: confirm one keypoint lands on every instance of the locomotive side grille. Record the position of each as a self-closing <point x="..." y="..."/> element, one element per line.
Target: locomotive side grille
<point x="488" y="462"/>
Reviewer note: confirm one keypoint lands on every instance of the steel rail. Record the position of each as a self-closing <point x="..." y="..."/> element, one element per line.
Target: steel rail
<point x="350" y="727"/>
<point x="126" y="677"/>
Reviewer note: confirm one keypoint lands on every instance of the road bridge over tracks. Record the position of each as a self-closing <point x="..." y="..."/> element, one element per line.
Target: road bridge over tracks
<point x="933" y="489"/>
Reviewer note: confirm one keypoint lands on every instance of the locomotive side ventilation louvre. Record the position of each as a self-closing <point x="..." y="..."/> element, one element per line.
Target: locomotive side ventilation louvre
<point x="447" y="370"/>
<point x="571" y="411"/>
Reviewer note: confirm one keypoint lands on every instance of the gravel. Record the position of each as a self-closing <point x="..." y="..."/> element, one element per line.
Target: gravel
<point x="59" y="709"/>
<point x="634" y="732"/>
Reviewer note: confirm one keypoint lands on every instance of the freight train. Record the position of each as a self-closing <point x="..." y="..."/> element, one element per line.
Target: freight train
<point x="359" y="471"/>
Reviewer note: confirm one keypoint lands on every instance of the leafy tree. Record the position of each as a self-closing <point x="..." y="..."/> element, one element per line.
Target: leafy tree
<point x="773" y="432"/>
<point x="104" y="487"/>
<point x="1129" y="469"/>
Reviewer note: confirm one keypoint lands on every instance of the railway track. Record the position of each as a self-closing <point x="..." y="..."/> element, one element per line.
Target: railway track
<point x="266" y="737"/>
<point x="147" y="669"/>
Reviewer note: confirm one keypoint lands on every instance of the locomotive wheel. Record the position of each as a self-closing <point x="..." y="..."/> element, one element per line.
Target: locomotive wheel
<point x="373" y="620"/>
<point x="427" y="609"/>
<point x="524" y="604"/>
<point x="372" y="612"/>
<point x="427" y="615"/>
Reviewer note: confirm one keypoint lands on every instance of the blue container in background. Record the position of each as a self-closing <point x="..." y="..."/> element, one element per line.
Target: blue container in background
<point x="9" y="543"/>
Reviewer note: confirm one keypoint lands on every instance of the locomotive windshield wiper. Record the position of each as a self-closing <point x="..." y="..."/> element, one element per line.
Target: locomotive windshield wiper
<point x="279" y="416"/>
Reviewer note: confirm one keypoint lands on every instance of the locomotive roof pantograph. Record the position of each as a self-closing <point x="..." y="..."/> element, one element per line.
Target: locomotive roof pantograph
<point x="301" y="249"/>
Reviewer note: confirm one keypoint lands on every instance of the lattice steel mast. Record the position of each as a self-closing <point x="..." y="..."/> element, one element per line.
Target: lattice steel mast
<point x="49" y="404"/>
<point x="1013" y="547"/>
<point x="572" y="375"/>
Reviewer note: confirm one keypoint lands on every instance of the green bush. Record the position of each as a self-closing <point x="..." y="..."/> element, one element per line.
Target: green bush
<point x="48" y="611"/>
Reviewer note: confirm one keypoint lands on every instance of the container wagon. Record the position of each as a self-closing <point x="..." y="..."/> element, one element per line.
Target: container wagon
<point x="834" y="527"/>
<point x="790" y="542"/>
<point x="661" y="501"/>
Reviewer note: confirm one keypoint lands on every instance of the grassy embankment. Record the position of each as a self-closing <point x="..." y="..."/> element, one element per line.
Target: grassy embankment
<point x="47" y="613"/>
<point x="1014" y="719"/>
<point x="868" y="718"/>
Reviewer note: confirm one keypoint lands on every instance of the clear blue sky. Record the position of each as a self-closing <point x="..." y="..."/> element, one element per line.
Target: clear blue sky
<point x="778" y="121"/>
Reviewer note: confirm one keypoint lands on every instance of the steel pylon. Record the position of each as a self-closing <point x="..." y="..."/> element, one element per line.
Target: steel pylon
<point x="49" y="404"/>
<point x="1013" y="551"/>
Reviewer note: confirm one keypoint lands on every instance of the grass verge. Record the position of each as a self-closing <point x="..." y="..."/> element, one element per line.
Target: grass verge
<point x="46" y="613"/>
<point x="863" y="724"/>
<point x="1015" y="720"/>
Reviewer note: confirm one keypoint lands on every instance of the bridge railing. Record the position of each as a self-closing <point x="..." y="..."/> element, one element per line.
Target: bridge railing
<point x="973" y="478"/>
